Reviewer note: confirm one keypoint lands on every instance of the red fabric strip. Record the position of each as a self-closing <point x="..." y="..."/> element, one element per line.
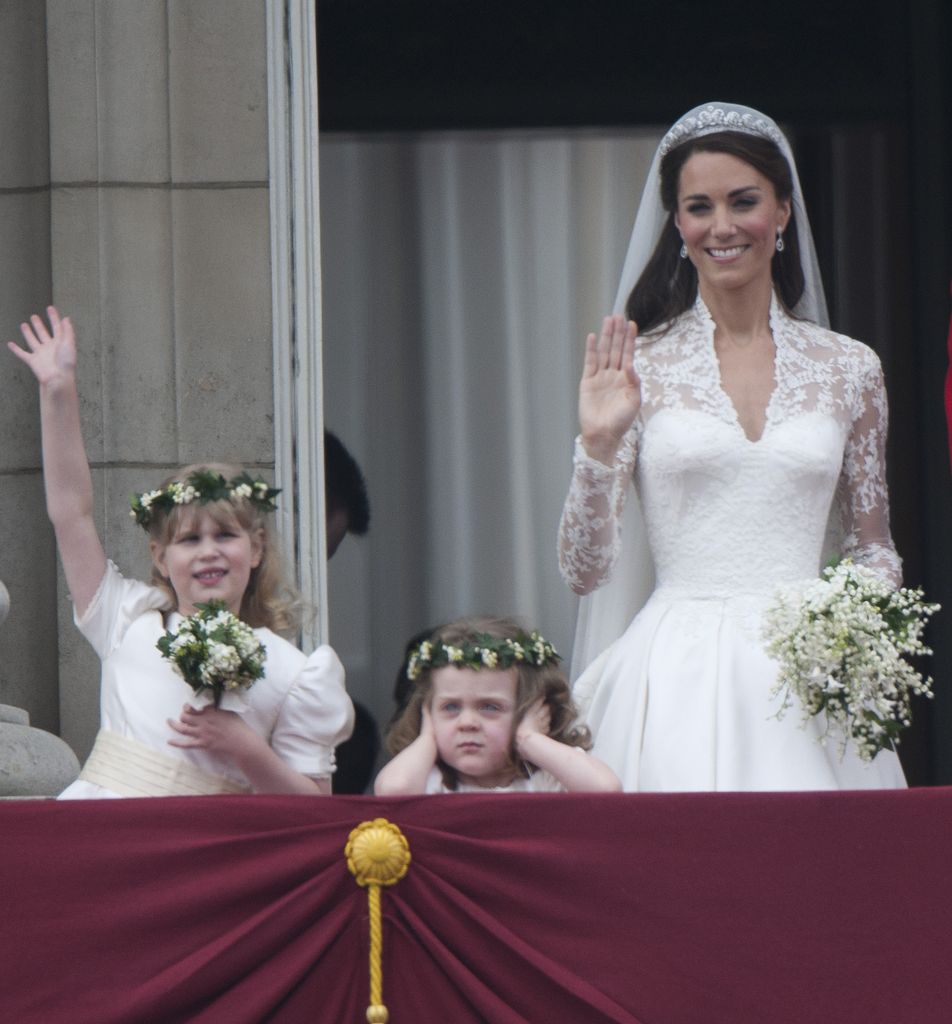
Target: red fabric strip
<point x="623" y="908"/>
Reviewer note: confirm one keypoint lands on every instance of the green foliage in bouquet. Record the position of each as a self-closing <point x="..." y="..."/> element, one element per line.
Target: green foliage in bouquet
<point x="214" y="650"/>
<point x="842" y="644"/>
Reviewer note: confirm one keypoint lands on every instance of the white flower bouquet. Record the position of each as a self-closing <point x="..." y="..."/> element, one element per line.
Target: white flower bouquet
<point x="214" y="650"/>
<point x="842" y="643"/>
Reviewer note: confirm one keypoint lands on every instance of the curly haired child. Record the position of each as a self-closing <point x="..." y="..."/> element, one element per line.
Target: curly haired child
<point x="490" y="710"/>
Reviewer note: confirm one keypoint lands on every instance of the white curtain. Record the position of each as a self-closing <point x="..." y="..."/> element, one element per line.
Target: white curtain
<point x="461" y="273"/>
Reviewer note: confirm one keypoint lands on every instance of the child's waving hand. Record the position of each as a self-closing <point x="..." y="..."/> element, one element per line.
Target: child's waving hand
<point x="50" y="352"/>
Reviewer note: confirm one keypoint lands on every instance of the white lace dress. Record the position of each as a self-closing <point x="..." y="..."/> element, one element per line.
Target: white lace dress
<point x="681" y="700"/>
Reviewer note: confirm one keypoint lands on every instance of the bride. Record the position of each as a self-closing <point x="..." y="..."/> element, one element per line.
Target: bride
<point x="755" y="438"/>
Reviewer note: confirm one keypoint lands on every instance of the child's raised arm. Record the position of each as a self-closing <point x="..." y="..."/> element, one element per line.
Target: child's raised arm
<point x="407" y="773"/>
<point x="51" y="356"/>
<point x="573" y="767"/>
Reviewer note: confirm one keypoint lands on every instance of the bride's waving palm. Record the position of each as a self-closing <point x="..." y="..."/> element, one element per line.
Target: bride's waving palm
<point x="610" y="392"/>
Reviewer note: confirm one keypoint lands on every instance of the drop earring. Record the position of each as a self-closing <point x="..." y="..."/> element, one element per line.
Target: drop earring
<point x="684" y="251"/>
<point x="780" y="245"/>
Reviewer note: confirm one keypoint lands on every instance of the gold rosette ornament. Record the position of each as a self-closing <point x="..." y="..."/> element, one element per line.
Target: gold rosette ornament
<point x="377" y="854"/>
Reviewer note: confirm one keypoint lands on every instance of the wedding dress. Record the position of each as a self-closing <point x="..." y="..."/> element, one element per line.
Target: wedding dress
<point x="681" y="701"/>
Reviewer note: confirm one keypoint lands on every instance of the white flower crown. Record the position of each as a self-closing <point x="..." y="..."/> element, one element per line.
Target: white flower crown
<point x="483" y="651"/>
<point x="203" y="486"/>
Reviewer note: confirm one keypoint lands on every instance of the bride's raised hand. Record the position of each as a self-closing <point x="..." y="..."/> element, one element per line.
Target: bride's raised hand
<point x="50" y="352"/>
<point x="610" y="392"/>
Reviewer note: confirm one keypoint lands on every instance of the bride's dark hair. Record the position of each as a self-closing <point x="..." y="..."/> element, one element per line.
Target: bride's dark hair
<point x="668" y="284"/>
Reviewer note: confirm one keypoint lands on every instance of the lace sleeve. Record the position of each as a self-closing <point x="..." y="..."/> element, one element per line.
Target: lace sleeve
<point x="590" y="529"/>
<point x="864" y="499"/>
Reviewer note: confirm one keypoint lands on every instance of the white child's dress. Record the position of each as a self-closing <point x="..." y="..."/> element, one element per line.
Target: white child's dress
<point x="300" y="705"/>
<point x="681" y="701"/>
<point x="537" y="782"/>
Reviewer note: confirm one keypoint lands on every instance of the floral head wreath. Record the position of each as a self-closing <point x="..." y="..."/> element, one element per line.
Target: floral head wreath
<point x="483" y="651"/>
<point x="203" y="486"/>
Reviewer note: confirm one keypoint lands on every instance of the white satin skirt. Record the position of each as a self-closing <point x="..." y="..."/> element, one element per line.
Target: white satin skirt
<point x="681" y="702"/>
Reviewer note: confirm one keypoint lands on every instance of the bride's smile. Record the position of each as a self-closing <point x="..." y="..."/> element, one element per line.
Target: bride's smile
<point x="728" y="215"/>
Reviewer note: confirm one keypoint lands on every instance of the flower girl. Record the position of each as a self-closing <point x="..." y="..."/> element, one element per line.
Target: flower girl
<point x="490" y="711"/>
<point x="193" y="701"/>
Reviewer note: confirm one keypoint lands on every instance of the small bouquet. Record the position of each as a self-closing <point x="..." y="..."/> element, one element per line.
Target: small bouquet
<point x="842" y="643"/>
<point x="214" y="650"/>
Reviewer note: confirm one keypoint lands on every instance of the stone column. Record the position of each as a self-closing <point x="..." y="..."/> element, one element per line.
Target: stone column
<point x="153" y="181"/>
<point x="28" y="642"/>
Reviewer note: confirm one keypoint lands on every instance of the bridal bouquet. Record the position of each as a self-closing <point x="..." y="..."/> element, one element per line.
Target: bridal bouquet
<point x="842" y="643"/>
<point x="214" y="650"/>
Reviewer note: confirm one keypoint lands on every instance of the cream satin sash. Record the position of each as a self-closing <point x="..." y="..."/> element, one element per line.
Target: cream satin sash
<point x="130" y="768"/>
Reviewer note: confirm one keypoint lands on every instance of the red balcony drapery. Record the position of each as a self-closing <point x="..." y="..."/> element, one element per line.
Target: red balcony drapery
<point x="636" y="909"/>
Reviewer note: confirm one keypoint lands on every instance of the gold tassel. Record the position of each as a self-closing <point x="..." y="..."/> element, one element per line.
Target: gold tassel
<point x="377" y="854"/>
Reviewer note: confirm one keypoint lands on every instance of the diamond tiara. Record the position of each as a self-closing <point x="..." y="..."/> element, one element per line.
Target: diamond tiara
<point x="712" y="118"/>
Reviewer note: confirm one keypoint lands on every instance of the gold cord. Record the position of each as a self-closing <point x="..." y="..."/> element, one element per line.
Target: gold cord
<point x="377" y="854"/>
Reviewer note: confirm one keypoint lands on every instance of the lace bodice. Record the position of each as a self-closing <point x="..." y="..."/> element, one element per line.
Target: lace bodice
<point x="725" y="514"/>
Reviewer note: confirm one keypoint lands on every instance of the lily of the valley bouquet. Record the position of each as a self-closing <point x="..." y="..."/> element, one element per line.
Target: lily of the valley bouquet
<point x="214" y="651"/>
<point x="842" y="642"/>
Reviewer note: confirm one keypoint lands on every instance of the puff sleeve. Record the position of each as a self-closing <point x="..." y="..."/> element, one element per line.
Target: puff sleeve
<point x="116" y="605"/>
<point x="315" y="716"/>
